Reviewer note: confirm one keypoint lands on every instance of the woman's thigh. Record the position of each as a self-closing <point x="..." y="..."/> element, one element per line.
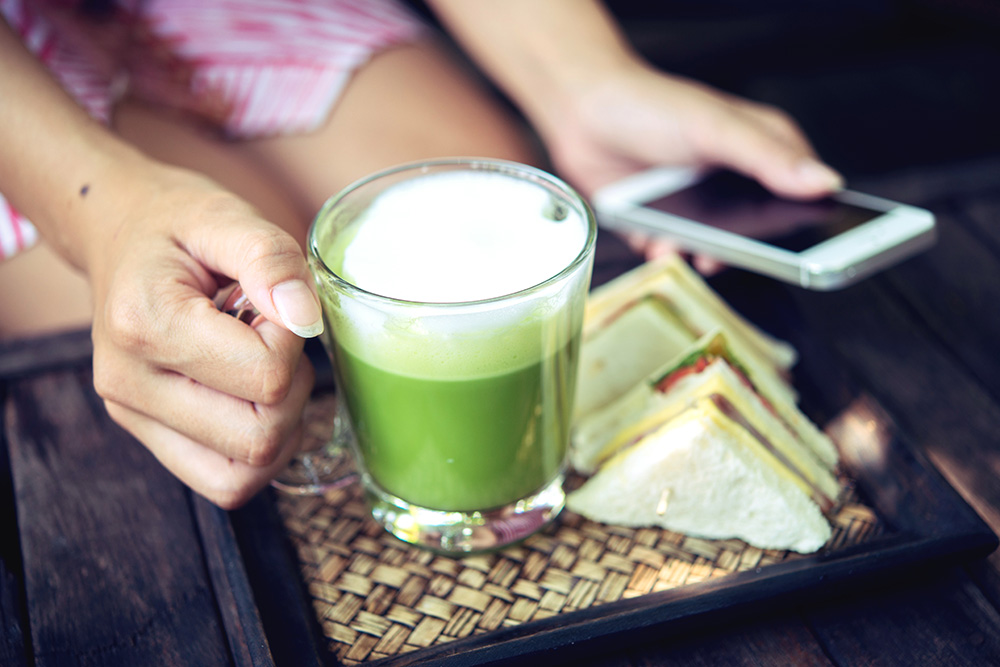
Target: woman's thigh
<point x="412" y="102"/>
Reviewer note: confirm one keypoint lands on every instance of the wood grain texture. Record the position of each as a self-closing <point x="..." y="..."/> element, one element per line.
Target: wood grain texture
<point x="32" y="356"/>
<point x="941" y="619"/>
<point x="238" y="610"/>
<point x="14" y="650"/>
<point x="113" y="568"/>
<point x="272" y="568"/>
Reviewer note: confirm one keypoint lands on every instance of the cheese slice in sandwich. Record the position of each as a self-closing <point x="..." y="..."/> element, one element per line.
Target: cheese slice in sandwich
<point x="704" y="473"/>
<point x="711" y="370"/>
<point x="649" y="315"/>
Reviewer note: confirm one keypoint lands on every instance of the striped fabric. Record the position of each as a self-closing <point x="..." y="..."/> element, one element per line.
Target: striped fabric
<point x="255" y="67"/>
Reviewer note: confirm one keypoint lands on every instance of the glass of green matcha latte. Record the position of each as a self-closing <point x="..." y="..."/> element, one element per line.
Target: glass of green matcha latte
<point x="453" y="295"/>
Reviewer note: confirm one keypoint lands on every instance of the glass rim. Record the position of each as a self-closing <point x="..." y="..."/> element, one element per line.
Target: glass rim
<point x="472" y="164"/>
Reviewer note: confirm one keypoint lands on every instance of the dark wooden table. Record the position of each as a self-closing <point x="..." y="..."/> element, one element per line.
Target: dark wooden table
<point x="108" y="560"/>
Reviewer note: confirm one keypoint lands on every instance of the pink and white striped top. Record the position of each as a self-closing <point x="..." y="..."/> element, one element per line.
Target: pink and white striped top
<point x="254" y="67"/>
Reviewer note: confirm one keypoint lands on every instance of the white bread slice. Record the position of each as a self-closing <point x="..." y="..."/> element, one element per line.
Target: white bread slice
<point x="619" y="356"/>
<point x="703" y="475"/>
<point x="694" y="301"/>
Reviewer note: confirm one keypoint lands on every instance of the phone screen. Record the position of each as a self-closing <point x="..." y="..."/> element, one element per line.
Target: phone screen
<point x="742" y="206"/>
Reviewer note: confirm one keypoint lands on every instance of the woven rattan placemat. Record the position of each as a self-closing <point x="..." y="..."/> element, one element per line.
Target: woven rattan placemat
<point x="376" y="597"/>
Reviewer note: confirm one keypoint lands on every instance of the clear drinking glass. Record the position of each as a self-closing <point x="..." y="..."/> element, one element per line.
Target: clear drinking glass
<point x="328" y="466"/>
<point x="458" y="409"/>
<point x="325" y="463"/>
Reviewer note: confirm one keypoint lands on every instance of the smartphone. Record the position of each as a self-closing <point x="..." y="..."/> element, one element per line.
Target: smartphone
<point x="822" y="244"/>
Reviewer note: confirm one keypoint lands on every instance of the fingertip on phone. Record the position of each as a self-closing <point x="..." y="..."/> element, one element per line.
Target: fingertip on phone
<point x="819" y="176"/>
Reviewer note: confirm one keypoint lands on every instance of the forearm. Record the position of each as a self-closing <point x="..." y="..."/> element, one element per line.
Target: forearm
<point x="540" y="53"/>
<point x="66" y="172"/>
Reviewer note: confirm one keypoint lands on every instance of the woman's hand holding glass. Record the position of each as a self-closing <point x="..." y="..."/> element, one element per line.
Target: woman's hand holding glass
<point x="218" y="402"/>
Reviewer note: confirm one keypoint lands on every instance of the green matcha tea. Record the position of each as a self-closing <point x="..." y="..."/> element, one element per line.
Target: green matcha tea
<point x="454" y="297"/>
<point x="461" y="444"/>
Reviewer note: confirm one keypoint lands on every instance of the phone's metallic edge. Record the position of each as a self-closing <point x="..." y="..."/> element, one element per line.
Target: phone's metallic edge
<point x="616" y="210"/>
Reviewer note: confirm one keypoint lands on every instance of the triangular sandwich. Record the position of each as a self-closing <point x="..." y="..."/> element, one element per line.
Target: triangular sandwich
<point x="704" y="473"/>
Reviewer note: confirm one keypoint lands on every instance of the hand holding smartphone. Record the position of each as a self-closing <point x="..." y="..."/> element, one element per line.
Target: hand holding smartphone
<point x="821" y="244"/>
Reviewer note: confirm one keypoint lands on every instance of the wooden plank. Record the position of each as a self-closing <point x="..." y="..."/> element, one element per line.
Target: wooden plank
<point x="284" y="607"/>
<point x="979" y="214"/>
<point x="13" y="652"/>
<point x="941" y="620"/>
<point x="113" y="568"/>
<point x="769" y="639"/>
<point x="930" y="186"/>
<point x="38" y="355"/>
<point x="953" y="288"/>
<point x="938" y="401"/>
<point x="247" y="641"/>
<point x="13" y="622"/>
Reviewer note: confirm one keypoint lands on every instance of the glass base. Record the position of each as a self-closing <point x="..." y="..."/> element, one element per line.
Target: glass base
<point x="331" y="466"/>
<point x="316" y="472"/>
<point x="466" y="533"/>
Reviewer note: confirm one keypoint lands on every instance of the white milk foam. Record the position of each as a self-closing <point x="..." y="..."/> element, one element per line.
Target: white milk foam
<point x="461" y="236"/>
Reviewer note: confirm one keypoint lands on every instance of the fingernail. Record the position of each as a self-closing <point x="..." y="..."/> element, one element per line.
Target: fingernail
<point x="297" y="306"/>
<point x="819" y="175"/>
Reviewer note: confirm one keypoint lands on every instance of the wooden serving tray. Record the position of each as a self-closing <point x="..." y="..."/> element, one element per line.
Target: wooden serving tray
<point x="379" y="601"/>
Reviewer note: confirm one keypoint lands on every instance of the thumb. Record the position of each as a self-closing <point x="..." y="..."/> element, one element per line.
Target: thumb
<point x="269" y="265"/>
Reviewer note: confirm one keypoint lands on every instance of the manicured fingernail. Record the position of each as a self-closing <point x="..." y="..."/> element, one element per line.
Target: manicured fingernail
<point x="297" y="306"/>
<point x="819" y="175"/>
